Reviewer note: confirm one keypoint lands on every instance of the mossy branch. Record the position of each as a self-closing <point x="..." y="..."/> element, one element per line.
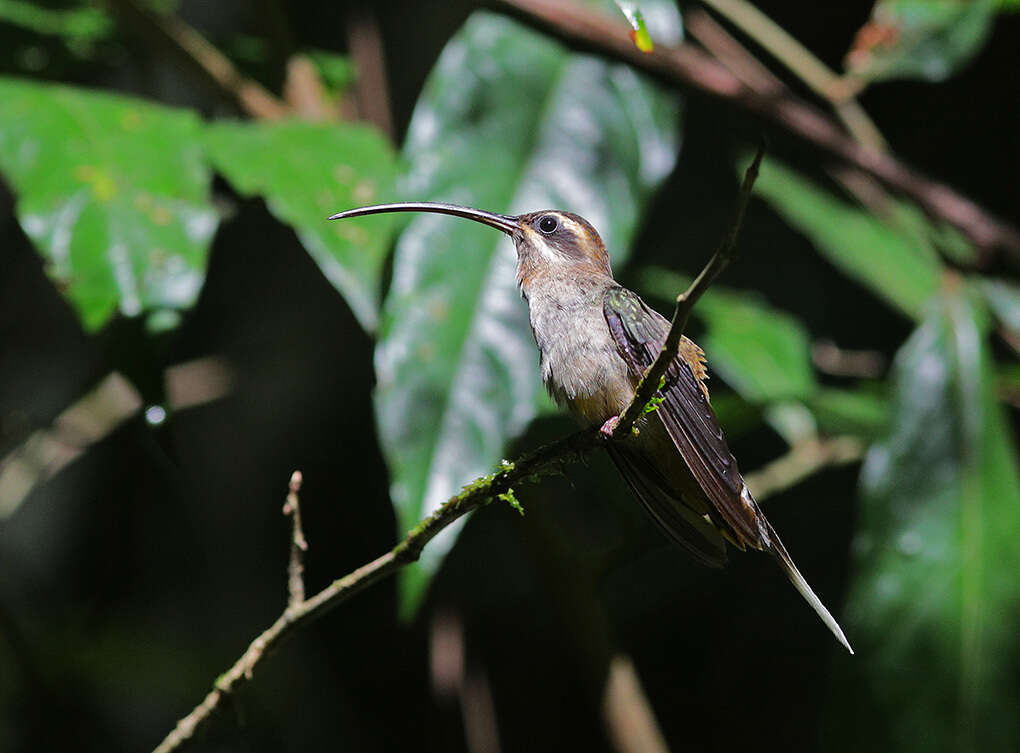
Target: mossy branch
<point x="531" y="467"/>
<point x="545" y="461"/>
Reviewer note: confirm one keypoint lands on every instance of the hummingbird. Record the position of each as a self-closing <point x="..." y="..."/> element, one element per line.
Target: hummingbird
<point x="596" y="339"/>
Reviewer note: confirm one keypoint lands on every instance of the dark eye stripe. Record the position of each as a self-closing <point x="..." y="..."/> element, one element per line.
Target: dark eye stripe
<point x="568" y="245"/>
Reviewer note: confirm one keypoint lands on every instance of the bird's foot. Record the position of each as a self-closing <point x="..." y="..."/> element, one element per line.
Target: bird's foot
<point x="609" y="427"/>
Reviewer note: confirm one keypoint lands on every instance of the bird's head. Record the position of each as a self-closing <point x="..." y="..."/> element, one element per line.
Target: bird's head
<point x="550" y="243"/>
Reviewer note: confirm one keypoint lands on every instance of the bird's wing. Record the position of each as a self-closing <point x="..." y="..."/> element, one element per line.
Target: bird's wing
<point x="700" y="538"/>
<point x="639" y="333"/>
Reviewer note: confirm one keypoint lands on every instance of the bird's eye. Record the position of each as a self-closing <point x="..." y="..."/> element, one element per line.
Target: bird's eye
<point x="548" y="224"/>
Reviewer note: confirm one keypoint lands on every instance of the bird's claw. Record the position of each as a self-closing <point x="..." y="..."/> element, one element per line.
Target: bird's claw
<point x="609" y="427"/>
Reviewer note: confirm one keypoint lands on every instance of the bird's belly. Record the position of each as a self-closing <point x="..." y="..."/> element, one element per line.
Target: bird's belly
<point x="601" y="405"/>
<point x="581" y="366"/>
<point x="595" y="385"/>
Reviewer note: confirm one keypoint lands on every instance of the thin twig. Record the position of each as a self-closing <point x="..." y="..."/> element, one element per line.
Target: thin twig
<point x="804" y="459"/>
<point x="738" y="59"/>
<point x="829" y="358"/>
<point x="298" y="544"/>
<point x="710" y="34"/>
<point x="190" y="46"/>
<point x="723" y="255"/>
<point x="686" y="67"/>
<point x="544" y="461"/>
<point x="802" y="63"/>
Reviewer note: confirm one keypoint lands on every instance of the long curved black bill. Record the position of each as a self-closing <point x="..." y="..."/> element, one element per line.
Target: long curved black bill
<point x="507" y="224"/>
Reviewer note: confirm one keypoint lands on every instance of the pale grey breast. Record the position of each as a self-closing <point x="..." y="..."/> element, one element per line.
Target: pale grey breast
<point x="580" y="365"/>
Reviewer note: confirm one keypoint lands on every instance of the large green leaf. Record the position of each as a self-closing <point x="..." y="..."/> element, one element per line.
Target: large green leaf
<point x="113" y="191"/>
<point x="509" y="121"/>
<point x="888" y="260"/>
<point x="935" y="581"/>
<point x="927" y="39"/>
<point x="306" y="172"/>
<point x="762" y="352"/>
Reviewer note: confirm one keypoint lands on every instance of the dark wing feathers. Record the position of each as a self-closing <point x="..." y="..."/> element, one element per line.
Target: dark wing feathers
<point x="685" y="412"/>
<point x="639" y="333"/>
<point x="699" y="537"/>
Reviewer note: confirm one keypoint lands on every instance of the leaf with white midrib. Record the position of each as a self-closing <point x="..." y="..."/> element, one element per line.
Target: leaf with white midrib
<point x="934" y="581"/>
<point x="456" y="363"/>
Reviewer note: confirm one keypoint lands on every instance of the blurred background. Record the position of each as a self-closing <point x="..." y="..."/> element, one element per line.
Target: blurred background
<point x="180" y="330"/>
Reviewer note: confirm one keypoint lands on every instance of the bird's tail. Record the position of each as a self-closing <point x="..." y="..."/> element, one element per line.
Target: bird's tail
<point x="786" y="562"/>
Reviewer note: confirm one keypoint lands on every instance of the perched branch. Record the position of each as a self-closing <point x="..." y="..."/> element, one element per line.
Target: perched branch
<point x="298" y="544"/>
<point x="529" y="468"/>
<point x="723" y="255"/>
<point x="688" y="68"/>
<point x="532" y="466"/>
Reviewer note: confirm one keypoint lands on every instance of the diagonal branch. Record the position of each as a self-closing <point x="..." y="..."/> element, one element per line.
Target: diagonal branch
<point x="531" y="467"/>
<point x="688" y="68"/>
<point x="544" y="461"/>
<point x="808" y="68"/>
<point x="198" y="53"/>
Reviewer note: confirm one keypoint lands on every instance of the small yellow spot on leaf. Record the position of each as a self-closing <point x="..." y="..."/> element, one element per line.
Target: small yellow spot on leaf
<point x="426" y="352"/>
<point x="131" y="120"/>
<point x="439" y="310"/>
<point x="364" y="192"/>
<point x="161" y="216"/>
<point x="325" y="200"/>
<point x="99" y="180"/>
<point x="344" y="174"/>
<point x="352" y="232"/>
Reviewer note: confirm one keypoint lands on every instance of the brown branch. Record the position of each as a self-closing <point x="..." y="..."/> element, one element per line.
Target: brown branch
<point x="304" y="92"/>
<point x="184" y="41"/>
<point x="829" y="358"/>
<point x="731" y="53"/>
<point x="802" y="62"/>
<point x="544" y="461"/>
<point x="723" y="255"/>
<point x="804" y="459"/>
<point x="364" y="42"/>
<point x="529" y="468"/>
<point x="710" y="34"/>
<point x="686" y="67"/>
